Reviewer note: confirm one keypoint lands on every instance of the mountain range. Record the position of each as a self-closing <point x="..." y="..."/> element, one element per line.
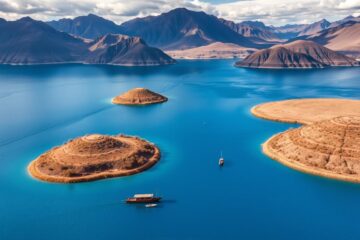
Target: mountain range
<point x="344" y="38"/>
<point x="347" y="19"/>
<point x="183" y="29"/>
<point x="176" y="29"/>
<point x="315" y="27"/>
<point x="89" y="27"/>
<point x="141" y="41"/>
<point x="254" y="29"/>
<point x="183" y="23"/>
<point x="27" y="41"/>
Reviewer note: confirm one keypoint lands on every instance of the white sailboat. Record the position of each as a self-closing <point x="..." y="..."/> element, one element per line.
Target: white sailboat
<point x="221" y="160"/>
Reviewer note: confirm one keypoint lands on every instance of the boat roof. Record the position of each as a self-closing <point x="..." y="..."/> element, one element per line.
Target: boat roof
<point x="144" y="195"/>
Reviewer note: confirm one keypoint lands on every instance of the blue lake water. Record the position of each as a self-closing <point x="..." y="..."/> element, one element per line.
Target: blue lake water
<point x="252" y="197"/>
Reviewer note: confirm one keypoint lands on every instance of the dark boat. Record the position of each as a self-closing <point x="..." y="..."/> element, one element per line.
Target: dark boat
<point x="143" y="198"/>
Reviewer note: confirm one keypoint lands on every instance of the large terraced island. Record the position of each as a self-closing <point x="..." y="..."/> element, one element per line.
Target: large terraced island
<point x="94" y="157"/>
<point x="327" y="145"/>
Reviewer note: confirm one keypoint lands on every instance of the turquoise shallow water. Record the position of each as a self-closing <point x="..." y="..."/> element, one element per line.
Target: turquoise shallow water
<point x="252" y="197"/>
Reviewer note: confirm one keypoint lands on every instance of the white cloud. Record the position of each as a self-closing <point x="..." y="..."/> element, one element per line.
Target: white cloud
<point x="284" y="11"/>
<point x="270" y="11"/>
<point x="348" y="4"/>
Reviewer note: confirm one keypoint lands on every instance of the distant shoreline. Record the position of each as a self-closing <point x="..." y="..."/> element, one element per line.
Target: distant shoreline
<point x="293" y="68"/>
<point x="85" y="63"/>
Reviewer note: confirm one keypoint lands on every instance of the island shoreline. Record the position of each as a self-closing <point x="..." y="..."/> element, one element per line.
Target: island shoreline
<point x="36" y="174"/>
<point x="303" y="168"/>
<point x="254" y="111"/>
<point x="280" y="116"/>
<point x="113" y="101"/>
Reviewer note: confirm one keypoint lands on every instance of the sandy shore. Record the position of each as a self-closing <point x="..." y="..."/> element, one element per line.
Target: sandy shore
<point x="257" y="112"/>
<point x="215" y="50"/>
<point x="307" y="110"/>
<point x="38" y="171"/>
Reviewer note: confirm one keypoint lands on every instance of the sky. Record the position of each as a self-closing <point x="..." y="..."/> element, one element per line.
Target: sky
<point x="271" y="12"/>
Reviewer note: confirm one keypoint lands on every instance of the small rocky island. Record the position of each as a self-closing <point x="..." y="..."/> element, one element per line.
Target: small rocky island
<point x="327" y="145"/>
<point x="139" y="96"/>
<point x="94" y="157"/>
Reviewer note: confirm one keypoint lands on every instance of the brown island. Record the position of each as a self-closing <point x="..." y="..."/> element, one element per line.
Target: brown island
<point x="139" y="96"/>
<point x="299" y="54"/>
<point x="328" y="145"/>
<point x="94" y="157"/>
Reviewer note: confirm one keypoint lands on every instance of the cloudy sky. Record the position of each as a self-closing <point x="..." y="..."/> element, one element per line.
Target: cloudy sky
<point x="276" y="12"/>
